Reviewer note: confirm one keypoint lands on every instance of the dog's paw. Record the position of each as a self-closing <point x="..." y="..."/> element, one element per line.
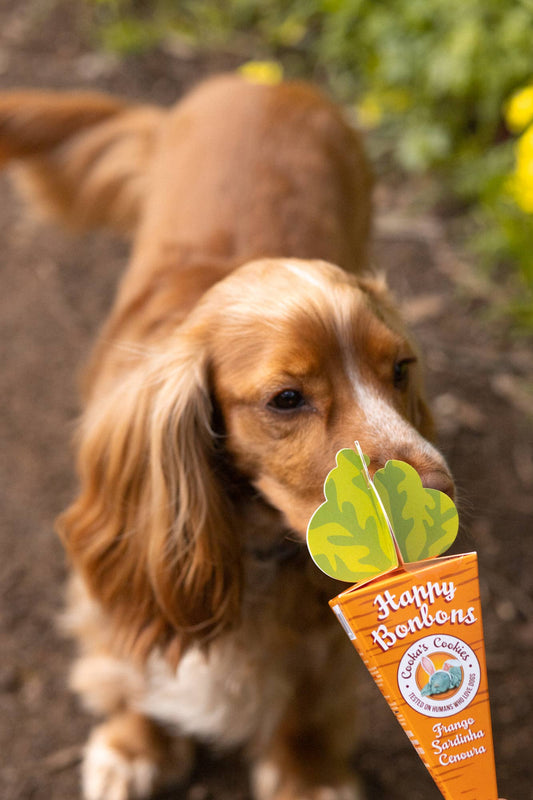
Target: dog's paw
<point x="347" y="791"/>
<point x="269" y="784"/>
<point x="109" y="773"/>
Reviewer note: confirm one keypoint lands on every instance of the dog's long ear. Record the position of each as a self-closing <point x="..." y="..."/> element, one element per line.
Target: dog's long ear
<point x="83" y="156"/>
<point x="151" y="530"/>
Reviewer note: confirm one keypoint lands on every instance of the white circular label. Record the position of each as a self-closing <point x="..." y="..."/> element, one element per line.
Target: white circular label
<point x="439" y="675"/>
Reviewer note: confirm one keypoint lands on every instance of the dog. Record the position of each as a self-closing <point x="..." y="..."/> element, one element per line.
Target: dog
<point x="247" y="344"/>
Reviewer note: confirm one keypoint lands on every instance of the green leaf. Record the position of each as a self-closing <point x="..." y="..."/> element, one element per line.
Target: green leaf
<point x="424" y="521"/>
<point x="348" y="536"/>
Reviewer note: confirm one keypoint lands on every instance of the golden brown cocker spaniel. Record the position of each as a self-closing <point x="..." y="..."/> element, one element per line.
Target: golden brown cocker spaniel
<point x="236" y="361"/>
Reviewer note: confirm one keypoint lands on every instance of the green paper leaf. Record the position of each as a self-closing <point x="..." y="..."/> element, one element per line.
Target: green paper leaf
<point x="348" y="536"/>
<point x="424" y="521"/>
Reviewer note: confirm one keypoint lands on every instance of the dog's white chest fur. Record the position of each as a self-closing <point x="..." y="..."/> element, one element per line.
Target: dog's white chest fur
<point x="220" y="695"/>
<point x="228" y="693"/>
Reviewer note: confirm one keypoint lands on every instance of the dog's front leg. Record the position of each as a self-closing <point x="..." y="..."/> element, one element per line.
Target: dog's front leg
<point x="128" y="756"/>
<point x="304" y="768"/>
<point x="310" y="754"/>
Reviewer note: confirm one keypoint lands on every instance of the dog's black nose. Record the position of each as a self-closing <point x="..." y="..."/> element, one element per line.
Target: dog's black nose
<point x="440" y="480"/>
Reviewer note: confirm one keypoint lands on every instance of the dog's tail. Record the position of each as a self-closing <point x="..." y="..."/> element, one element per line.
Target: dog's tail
<point x="82" y="156"/>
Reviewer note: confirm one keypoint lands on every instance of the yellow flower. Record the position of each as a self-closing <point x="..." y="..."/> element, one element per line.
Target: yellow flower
<point x="369" y="112"/>
<point x="520" y="183"/>
<point x="266" y="72"/>
<point x="522" y="193"/>
<point x="519" y="109"/>
<point x="524" y="149"/>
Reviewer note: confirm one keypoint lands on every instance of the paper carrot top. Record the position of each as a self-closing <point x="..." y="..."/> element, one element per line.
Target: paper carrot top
<point x="367" y="527"/>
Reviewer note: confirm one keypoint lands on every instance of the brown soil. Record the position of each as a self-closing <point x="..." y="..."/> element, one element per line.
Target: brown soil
<point x="55" y="292"/>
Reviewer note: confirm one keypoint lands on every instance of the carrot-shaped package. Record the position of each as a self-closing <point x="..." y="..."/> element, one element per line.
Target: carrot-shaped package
<point x="413" y="615"/>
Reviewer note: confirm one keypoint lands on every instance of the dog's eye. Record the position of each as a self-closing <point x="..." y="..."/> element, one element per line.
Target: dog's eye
<point x="287" y="400"/>
<point x="401" y="372"/>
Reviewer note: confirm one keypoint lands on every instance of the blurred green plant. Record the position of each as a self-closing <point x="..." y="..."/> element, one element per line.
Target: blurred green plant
<point x="431" y="77"/>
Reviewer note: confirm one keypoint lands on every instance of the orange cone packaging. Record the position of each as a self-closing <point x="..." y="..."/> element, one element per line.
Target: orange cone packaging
<point x="414" y="619"/>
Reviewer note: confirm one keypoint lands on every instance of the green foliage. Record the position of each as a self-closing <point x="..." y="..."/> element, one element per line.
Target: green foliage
<point x="432" y="76"/>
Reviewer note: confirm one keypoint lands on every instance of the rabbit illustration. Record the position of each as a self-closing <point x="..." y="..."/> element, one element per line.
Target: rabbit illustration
<point x="441" y="680"/>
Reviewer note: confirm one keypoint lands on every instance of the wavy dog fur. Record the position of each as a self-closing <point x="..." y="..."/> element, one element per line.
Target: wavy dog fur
<point x="230" y="371"/>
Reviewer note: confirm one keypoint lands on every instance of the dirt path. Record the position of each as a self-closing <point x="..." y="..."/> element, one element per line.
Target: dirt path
<point x="54" y="292"/>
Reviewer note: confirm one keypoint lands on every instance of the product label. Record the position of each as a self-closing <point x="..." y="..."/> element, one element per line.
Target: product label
<point x="421" y="599"/>
<point x="439" y="675"/>
<point x="458" y="741"/>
